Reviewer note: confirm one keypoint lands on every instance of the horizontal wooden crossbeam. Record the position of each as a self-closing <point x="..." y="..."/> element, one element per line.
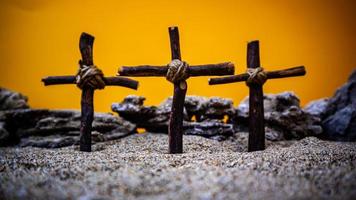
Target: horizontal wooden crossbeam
<point x="220" y="69"/>
<point x="291" y="72"/>
<point x="109" y="81"/>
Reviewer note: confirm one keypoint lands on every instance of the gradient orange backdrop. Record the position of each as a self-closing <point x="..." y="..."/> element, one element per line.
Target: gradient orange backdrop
<point x="40" y="38"/>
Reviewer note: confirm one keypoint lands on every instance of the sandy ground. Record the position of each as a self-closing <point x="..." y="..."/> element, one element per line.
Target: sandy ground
<point x="138" y="167"/>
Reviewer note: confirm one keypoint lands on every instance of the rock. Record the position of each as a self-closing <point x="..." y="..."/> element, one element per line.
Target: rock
<point x="57" y="128"/>
<point x="284" y="119"/>
<point x="317" y="107"/>
<point x="339" y="116"/>
<point x="208" y="108"/>
<point x="341" y="125"/>
<point x="202" y="116"/>
<point x="210" y="128"/>
<point x="4" y="135"/>
<point x="10" y="100"/>
<point x="345" y="96"/>
<point x="149" y="117"/>
<point x="193" y="105"/>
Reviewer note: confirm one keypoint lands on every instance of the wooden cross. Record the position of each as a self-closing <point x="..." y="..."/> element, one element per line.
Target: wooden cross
<point x="175" y="129"/>
<point x="256" y="111"/>
<point x="87" y="108"/>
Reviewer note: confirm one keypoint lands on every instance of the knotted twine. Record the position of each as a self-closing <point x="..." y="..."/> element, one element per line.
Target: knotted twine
<point x="177" y="71"/>
<point x="90" y="76"/>
<point x="257" y="76"/>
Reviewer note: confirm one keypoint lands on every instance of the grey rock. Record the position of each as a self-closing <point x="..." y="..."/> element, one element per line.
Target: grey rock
<point x="217" y="108"/>
<point x="343" y="97"/>
<point x="339" y="116"/>
<point x="152" y="118"/>
<point x="57" y="128"/>
<point x="4" y="134"/>
<point x="10" y="100"/>
<point x="338" y="123"/>
<point x="317" y="107"/>
<point x="208" y="108"/>
<point x="284" y="119"/>
<point x="202" y="116"/>
<point x="52" y="141"/>
<point x="210" y="128"/>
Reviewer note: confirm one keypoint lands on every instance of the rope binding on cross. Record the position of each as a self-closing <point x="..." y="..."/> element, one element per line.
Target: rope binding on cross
<point x="257" y="76"/>
<point x="90" y="76"/>
<point x="177" y="71"/>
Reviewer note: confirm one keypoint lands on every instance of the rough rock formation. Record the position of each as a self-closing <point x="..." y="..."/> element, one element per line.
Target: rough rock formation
<point x="202" y="116"/>
<point x="317" y="107"/>
<point x="10" y="100"/>
<point x="338" y="114"/>
<point x="208" y="117"/>
<point x="211" y="128"/>
<point x="56" y="128"/>
<point x="284" y="119"/>
<point x="151" y="118"/>
<point x="208" y="108"/>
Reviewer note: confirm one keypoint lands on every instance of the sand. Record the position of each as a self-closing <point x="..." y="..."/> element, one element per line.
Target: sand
<point x="138" y="167"/>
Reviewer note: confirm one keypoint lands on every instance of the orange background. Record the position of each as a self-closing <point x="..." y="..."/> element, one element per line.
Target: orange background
<point x="40" y="38"/>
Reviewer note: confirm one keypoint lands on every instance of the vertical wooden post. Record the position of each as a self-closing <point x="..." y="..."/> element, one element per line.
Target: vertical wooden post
<point x="175" y="129"/>
<point x="256" y="139"/>
<point x="87" y="111"/>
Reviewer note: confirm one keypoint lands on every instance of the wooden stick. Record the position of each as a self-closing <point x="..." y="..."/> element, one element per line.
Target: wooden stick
<point x="109" y="81"/>
<point x="256" y="139"/>
<point x="175" y="128"/>
<point x="87" y="107"/>
<point x="220" y="69"/>
<point x="87" y="116"/>
<point x="290" y="72"/>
